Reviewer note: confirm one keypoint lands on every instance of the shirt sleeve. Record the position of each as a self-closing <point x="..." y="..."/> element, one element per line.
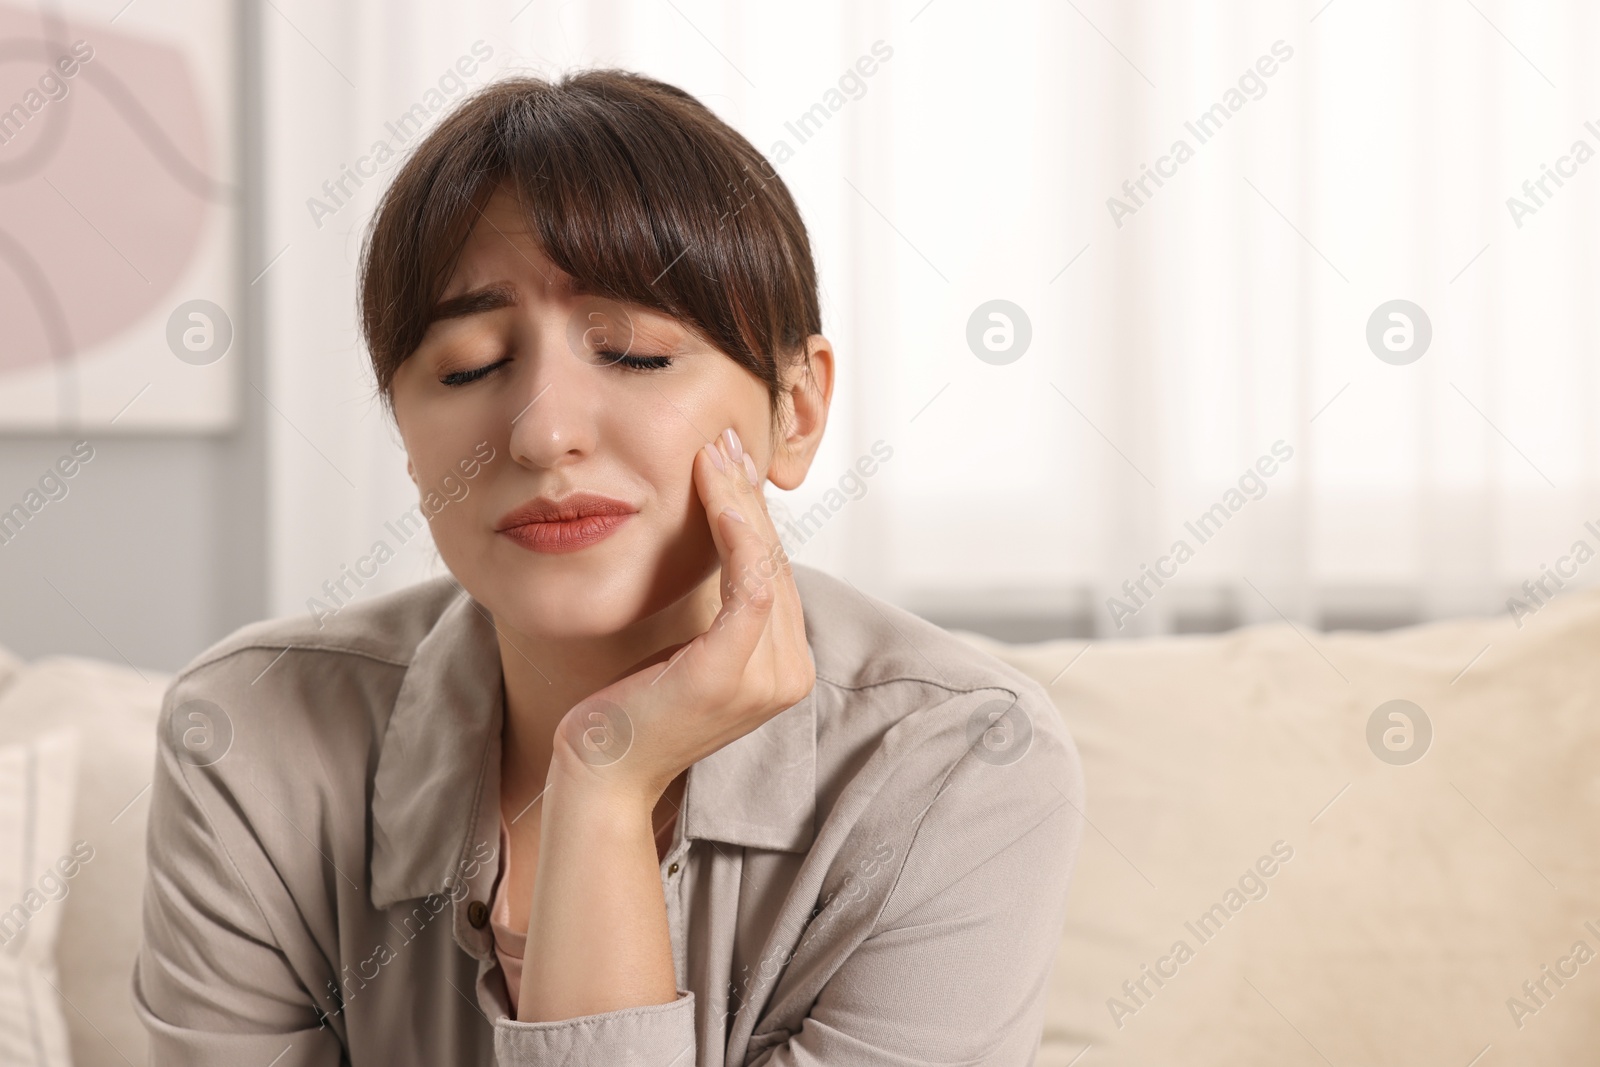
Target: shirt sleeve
<point x="956" y="968"/>
<point x="211" y="984"/>
<point x="658" y="1035"/>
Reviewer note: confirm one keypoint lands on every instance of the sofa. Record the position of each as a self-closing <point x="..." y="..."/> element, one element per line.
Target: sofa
<point x="1299" y="847"/>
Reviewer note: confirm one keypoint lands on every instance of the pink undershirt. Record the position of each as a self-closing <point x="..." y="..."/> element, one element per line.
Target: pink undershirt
<point x="508" y="943"/>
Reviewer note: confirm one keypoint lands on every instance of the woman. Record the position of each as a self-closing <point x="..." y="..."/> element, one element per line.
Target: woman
<point x="625" y="786"/>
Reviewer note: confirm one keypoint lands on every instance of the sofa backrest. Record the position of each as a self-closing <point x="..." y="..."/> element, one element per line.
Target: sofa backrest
<point x="1419" y="896"/>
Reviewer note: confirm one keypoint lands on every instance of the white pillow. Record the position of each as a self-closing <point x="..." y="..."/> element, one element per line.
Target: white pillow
<point x="115" y="711"/>
<point x="38" y="861"/>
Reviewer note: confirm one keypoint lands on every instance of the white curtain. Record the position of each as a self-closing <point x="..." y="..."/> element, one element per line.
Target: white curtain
<point x="1339" y="156"/>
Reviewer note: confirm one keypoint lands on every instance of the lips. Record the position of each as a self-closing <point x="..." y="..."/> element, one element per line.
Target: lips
<point x="574" y="522"/>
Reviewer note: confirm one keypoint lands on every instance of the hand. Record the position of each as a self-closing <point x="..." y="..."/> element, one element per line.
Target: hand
<point x="639" y="733"/>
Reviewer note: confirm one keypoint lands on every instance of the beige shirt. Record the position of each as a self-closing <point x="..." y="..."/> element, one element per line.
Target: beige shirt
<point x="877" y="875"/>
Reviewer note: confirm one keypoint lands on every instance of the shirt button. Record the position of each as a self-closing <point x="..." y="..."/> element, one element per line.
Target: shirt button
<point x="673" y="869"/>
<point x="477" y="914"/>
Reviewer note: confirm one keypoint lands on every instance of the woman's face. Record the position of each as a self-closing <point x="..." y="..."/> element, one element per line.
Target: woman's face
<point x="522" y="374"/>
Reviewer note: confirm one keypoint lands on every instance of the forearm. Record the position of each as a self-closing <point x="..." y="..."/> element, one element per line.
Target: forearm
<point x="598" y="938"/>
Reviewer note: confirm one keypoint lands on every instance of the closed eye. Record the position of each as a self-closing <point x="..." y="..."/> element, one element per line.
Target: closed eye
<point x="641" y="363"/>
<point x="462" y="377"/>
<point x="610" y="359"/>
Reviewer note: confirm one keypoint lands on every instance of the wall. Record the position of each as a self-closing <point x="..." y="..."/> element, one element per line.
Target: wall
<point x="159" y="547"/>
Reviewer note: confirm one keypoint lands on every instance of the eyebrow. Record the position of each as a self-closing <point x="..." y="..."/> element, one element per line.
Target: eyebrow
<point x="475" y="302"/>
<point x="494" y="296"/>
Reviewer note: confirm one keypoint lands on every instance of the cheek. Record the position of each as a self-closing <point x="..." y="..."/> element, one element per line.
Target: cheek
<point x="668" y="465"/>
<point x="451" y="504"/>
<point x="452" y="521"/>
<point x="658" y="445"/>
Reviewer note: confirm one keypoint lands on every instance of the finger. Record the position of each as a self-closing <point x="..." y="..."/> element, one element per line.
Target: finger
<point x="784" y="637"/>
<point x="719" y="658"/>
<point x="760" y="625"/>
<point x="752" y="490"/>
<point x="724" y="481"/>
<point x="732" y="474"/>
<point x="712" y="486"/>
<point x="740" y="543"/>
<point x="775" y="565"/>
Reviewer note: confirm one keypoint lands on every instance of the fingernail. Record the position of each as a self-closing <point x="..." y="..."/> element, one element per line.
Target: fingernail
<point x="716" y="455"/>
<point x="734" y="515"/>
<point x="735" y="448"/>
<point x="750" y="470"/>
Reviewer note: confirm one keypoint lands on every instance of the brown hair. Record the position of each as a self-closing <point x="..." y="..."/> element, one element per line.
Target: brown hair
<point x="632" y="186"/>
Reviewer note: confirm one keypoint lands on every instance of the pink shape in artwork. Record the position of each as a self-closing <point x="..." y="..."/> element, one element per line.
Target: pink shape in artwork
<point x="105" y="182"/>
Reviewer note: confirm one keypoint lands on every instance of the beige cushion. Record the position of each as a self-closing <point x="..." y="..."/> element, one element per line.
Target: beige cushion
<point x="114" y="712"/>
<point x="1412" y="908"/>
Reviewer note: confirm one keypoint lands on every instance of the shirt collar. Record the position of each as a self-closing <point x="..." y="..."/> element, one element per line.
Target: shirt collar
<point x="439" y="764"/>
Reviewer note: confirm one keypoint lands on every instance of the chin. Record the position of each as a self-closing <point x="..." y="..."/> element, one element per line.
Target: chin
<point x="557" y="601"/>
<point x="588" y="594"/>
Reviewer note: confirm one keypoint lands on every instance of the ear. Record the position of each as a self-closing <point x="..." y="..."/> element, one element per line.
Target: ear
<point x="804" y="410"/>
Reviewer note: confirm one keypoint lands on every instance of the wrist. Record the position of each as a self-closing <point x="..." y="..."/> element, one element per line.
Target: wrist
<point x="580" y="778"/>
<point x="593" y="753"/>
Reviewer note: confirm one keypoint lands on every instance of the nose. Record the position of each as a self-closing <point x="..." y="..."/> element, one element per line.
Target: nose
<point x="557" y="423"/>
